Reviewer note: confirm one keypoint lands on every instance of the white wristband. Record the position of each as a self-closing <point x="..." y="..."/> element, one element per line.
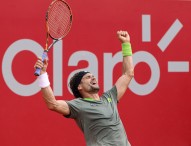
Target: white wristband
<point x="43" y="80"/>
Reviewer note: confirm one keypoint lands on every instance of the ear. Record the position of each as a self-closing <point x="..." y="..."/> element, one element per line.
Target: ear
<point x="79" y="87"/>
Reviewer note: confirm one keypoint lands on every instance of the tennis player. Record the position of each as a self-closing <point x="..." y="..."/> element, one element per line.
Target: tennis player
<point x="97" y="116"/>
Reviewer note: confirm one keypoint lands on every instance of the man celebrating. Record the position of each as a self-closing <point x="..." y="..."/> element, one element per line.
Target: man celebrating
<point x="97" y="116"/>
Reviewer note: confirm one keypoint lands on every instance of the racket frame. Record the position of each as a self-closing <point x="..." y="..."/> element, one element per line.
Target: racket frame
<point x="47" y="27"/>
<point x="55" y="40"/>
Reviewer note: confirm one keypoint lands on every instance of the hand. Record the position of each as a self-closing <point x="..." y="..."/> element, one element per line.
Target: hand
<point x="123" y="36"/>
<point x="42" y="65"/>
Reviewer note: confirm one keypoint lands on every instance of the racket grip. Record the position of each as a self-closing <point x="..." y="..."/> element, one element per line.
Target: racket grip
<point x="38" y="70"/>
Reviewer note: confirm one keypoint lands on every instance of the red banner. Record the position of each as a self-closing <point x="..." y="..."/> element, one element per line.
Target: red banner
<point x="155" y="109"/>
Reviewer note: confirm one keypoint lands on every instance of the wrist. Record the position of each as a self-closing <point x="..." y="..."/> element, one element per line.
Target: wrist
<point x="126" y="49"/>
<point x="43" y="80"/>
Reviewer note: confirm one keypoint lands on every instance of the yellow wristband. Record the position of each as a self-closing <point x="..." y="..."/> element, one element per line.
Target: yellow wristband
<point x="126" y="49"/>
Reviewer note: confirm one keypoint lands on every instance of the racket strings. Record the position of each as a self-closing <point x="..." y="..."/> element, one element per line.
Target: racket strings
<point x="59" y="20"/>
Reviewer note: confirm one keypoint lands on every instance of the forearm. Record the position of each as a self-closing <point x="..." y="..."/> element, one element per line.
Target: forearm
<point x="128" y="68"/>
<point x="47" y="92"/>
<point x="49" y="97"/>
<point x="127" y="59"/>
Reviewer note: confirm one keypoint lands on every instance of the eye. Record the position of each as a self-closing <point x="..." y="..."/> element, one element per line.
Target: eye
<point x="88" y="77"/>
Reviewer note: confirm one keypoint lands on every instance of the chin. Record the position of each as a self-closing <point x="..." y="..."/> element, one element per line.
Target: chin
<point x="95" y="87"/>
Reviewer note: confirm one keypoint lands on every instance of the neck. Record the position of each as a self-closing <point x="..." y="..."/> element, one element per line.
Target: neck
<point x="93" y="96"/>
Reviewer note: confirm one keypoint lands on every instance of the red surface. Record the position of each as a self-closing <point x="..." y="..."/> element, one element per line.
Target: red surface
<point x="159" y="118"/>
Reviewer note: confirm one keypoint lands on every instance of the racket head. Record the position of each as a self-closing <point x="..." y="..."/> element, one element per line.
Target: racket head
<point x="58" y="19"/>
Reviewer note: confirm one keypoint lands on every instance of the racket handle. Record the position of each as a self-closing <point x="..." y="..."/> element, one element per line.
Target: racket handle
<point x="38" y="70"/>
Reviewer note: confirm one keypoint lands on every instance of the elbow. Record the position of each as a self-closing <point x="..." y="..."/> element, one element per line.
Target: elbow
<point x="130" y="73"/>
<point x="51" y="106"/>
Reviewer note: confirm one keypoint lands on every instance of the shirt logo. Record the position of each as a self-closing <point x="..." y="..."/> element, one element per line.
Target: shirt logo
<point x="109" y="99"/>
<point x="93" y="104"/>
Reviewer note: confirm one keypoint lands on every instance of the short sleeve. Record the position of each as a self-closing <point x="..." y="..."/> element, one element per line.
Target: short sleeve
<point x="112" y="93"/>
<point x="74" y="106"/>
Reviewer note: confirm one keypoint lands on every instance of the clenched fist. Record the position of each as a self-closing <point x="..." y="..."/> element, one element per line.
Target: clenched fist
<point x="123" y="36"/>
<point x="41" y="64"/>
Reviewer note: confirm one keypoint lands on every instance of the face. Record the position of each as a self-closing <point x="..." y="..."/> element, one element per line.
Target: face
<point x="89" y="84"/>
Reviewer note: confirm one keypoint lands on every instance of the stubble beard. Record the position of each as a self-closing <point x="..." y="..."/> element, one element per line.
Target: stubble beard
<point x="95" y="89"/>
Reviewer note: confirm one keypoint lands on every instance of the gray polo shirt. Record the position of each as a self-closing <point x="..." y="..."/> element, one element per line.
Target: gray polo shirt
<point x="99" y="120"/>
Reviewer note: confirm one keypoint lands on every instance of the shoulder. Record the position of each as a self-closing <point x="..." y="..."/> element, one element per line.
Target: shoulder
<point x="74" y="101"/>
<point x="112" y="93"/>
<point x="75" y="106"/>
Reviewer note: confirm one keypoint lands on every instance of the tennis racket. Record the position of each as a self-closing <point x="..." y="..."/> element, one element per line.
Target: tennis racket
<point x="58" y="24"/>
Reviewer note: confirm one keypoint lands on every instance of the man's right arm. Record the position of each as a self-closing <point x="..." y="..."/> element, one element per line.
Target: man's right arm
<point x="59" y="106"/>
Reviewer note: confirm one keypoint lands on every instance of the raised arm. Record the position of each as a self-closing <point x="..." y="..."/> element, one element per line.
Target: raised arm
<point x="59" y="106"/>
<point x="128" y="69"/>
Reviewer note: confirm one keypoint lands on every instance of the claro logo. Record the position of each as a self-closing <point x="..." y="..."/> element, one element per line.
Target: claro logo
<point x="109" y="62"/>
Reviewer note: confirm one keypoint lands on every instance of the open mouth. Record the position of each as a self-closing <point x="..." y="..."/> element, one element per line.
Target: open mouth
<point x="93" y="83"/>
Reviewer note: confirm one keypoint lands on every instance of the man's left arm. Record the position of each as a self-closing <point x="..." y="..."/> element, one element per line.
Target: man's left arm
<point x="128" y="69"/>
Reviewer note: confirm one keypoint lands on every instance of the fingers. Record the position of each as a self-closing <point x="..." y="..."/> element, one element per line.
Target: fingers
<point x="45" y="61"/>
<point x="40" y="64"/>
<point x="122" y="33"/>
<point x="123" y="36"/>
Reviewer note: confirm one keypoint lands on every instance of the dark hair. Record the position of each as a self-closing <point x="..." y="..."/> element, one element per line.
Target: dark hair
<point x="75" y="81"/>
